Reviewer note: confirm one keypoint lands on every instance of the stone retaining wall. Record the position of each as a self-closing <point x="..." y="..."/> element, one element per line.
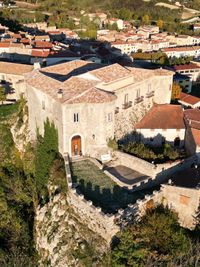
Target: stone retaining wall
<point x="134" y="163"/>
<point x="158" y="173"/>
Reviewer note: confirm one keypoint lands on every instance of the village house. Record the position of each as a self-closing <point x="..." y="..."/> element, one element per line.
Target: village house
<point x="156" y="130"/>
<point x="148" y="30"/>
<point x="118" y="22"/>
<point x="196" y="27"/>
<point x="12" y="78"/>
<point x="90" y="103"/>
<point x="191" y="70"/>
<point x="187" y="100"/>
<point x="193" y="51"/>
<point x="184" y="81"/>
<point x="192" y="138"/>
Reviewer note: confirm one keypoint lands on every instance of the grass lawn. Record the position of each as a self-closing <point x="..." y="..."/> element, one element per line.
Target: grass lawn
<point x="98" y="187"/>
<point x="7" y="110"/>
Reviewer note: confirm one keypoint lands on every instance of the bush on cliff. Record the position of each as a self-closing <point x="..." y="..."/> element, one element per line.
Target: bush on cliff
<point x="157" y="238"/>
<point x="46" y="152"/>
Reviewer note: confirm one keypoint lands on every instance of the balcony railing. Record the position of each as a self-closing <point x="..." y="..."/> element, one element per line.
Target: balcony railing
<point x="127" y="105"/>
<point x="116" y="110"/>
<point x="139" y="99"/>
<point x="150" y="94"/>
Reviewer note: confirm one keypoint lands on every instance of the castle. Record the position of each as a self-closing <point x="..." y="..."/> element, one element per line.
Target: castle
<point x="90" y="103"/>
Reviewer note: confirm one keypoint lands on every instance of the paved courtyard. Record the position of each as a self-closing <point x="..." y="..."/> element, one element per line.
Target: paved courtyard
<point x="127" y="175"/>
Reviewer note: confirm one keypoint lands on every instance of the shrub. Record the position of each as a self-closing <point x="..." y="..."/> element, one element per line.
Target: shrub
<point x="46" y="151"/>
<point x="112" y="144"/>
<point x="157" y="236"/>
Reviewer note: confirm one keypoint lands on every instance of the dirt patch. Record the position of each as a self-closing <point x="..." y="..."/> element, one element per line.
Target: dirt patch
<point x="26" y="5"/>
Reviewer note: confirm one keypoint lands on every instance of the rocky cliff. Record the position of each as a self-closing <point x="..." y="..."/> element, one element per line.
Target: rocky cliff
<point x="63" y="240"/>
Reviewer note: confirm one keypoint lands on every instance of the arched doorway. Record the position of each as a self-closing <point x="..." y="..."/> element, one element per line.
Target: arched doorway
<point x="76" y="146"/>
<point x="177" y="142"/>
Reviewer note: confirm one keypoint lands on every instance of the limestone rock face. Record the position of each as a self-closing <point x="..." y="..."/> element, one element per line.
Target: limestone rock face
<point x="20" y="130"/>
<point x="62" y="239"/>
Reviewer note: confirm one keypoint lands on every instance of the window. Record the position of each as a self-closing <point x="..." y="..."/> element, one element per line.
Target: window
<point x="76" y="117"/>
<point x="109" y="117"/>
<point x="43" y="104"/>
<point x="126" y="98"/>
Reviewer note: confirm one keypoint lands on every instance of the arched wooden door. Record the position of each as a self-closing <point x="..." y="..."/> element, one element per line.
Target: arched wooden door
<point x="76" y="146"/>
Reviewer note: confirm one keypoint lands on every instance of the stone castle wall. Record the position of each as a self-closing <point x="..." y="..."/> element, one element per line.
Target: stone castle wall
<point x="183" y="201"/>
<point x="99" y="222"/>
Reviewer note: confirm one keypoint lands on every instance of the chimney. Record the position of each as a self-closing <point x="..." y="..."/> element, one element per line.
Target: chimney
<point x="37" y="65"/>
<point x="60" y="93"/>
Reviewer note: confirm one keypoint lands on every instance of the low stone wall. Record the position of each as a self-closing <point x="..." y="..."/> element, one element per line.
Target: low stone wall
<point x="134" y="163"/>
<point x="68" y="172"/>
<point x="157" y="173"/>
<point x="183" y="201"/>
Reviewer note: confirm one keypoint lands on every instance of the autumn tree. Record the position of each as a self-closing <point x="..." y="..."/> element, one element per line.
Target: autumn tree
<point x="146" y="19"/>
<point x="176" y="91"/>
<point x="160" y="23"/>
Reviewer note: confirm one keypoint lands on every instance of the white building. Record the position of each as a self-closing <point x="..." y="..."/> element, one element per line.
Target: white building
<point x="12" y="76"/>
<point x="191" y="70"/>
<point x="162" y="124"/>
<point x="189" y="100"/>
<point x="193" y="51"/>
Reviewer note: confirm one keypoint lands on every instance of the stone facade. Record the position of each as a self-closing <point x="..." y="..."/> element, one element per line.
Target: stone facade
<point x="133" y="92"/>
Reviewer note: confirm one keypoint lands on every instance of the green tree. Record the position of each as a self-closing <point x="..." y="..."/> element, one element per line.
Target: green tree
<point x="125" y="14"/>
<point x="157" y="236"/>
<point x="46" y="151"/>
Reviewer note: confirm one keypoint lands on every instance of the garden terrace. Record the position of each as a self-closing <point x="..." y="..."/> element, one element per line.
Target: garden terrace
<point x="96" y="186"/>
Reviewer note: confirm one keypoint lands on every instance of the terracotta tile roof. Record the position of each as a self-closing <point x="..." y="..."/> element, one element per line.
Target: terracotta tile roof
<point x="179" y="49"/>
<point x="54" y="32"/>
<point x="41" y="37"/>
<point x="43" y="44"/>
<point x="111" y="73"/>
<point x="25" y="41"/>
<point x="40" y="53"/>
<point x="189" y="99"/>
<point x="65" y="70"/>
<point x="79" y="80"/>
<point x="164" y="116"/>
<point x="14" y="68"/>
<point x="192" y="118"/>
<point x="75" y="90"/>
<point x="5" y="44"/>
<point x="196" y="135"/>
<point x="186" y="67"/>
